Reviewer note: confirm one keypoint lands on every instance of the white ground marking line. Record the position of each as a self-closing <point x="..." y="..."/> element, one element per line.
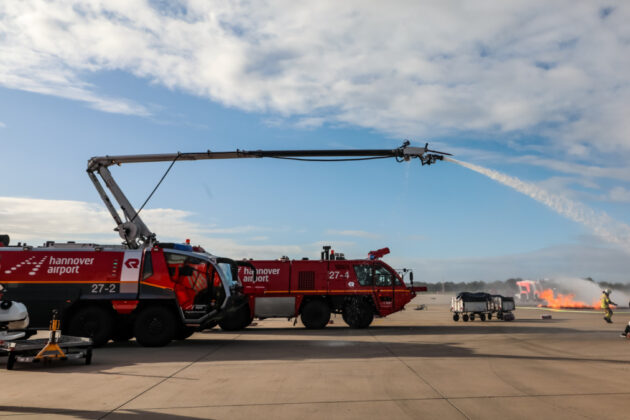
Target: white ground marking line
<point x="169" y="377"/>
<point x="419" y="376"/>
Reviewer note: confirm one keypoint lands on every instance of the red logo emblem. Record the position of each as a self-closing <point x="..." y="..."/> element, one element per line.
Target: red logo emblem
<point x="132" y="263"/>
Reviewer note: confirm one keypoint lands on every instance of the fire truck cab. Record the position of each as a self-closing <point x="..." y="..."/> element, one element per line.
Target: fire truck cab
<point x="314" y="289"/>
<point x="529" y="290"/>
<point x="108" y="292"/>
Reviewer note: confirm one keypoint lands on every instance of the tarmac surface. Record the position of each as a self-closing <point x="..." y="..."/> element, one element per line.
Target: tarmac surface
<point x="413" y="364"/>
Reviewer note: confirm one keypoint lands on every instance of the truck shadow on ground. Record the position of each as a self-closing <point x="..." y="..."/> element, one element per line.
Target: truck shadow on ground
<point x="85" y="414"/>
<point x="306" y="347"/>
<point x="530" y="327"/>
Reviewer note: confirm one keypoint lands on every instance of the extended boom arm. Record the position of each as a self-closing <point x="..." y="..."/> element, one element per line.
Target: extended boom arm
<point x="137" y="234"/>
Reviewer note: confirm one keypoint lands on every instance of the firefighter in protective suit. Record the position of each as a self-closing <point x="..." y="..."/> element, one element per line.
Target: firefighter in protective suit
<point x="605" y="304"/>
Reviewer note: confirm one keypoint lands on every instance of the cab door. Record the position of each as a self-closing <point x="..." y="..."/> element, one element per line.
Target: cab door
<point x="384" y="290"/>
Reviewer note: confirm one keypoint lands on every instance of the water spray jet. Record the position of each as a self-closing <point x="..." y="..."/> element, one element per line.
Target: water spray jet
<point x="599" y="223"/>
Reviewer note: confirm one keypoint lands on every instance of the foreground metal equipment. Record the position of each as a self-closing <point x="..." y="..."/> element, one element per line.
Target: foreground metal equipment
<point x="135" y="232"/>
<point x="56" y="347"/>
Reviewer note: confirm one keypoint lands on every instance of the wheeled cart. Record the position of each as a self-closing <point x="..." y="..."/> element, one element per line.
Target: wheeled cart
<point x="503" y="306"/>
<point x="470" y="305"/>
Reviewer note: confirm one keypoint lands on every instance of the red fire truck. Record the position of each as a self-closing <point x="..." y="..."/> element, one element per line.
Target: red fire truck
<point x="111" y="292"/>
<point x="313" y="289"/>
<point x="156" y="291"/>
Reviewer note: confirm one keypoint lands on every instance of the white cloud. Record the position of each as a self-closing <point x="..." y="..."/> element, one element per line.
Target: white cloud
<point x="619" y="194"/>
<point x="408" y="69"/>
<point x="36" y="221"/>
<point x="310" y="123"/>
<point x="2" y="125"/>
<point x="586" y="171"/>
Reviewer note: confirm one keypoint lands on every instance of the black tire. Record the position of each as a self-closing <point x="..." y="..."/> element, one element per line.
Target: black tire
<point x="489" y="317"/>
<point x="155" y="326"/>
<point x="315" y="314"/>
<point x="94" y="322"/>
<point x="11" y="361"/>
<point x="456" y="317"/>
<point x="88" y="356"/>
<point x="482" y="317"/>
<point x="472" y="317"/>
<point x="358" y="314"/>
<point x="465" y="318"/>
<point x="237" y="320"/>
<point x="499" y="315"/>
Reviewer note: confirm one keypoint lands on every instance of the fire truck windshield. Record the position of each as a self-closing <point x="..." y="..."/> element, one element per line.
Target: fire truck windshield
<point x="382" y="276"/>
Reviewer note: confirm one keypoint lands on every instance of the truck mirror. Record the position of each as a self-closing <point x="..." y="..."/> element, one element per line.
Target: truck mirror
<point x="411" y="276"/>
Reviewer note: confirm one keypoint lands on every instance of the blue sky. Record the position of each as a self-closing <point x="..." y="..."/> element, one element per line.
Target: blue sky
<point x="537" y="92"/>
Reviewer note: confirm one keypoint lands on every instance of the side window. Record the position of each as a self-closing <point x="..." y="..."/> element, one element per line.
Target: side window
<point x="364" y="274"/>
<point x="147" y="269"/>
<point x="174" y="259"/>
<point x="226" y="269"/>
<point x="184" y="265"/>
<point x="382" y="277"/>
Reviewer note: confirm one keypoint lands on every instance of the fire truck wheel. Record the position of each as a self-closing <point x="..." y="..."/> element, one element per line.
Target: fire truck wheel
<point x="472" y="317"/>
<point x="482" y="317"/>
<point x="456" y="317"/>
<point x="94" y="322"/>
<point x="238" y="320"/>
<point x="358" y="314"/>
<point x="155" y="326"/>
<point x="489" y="317"/>
<point x="315" y="315"/>
<point x="465" y="318"/>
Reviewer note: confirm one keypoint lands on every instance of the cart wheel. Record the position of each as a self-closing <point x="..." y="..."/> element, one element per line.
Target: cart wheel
<point x="465" y="318"/>
<point x="472" y="317"/>
<point x="489" y="317"/>
<point x="482" y="317"/>
<point x="88" y="356"/>
<point x="456" y="317"/>
<point x="10" y="361"/>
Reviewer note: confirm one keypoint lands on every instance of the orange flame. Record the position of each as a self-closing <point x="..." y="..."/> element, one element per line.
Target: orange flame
<point x="564" y="301"/>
